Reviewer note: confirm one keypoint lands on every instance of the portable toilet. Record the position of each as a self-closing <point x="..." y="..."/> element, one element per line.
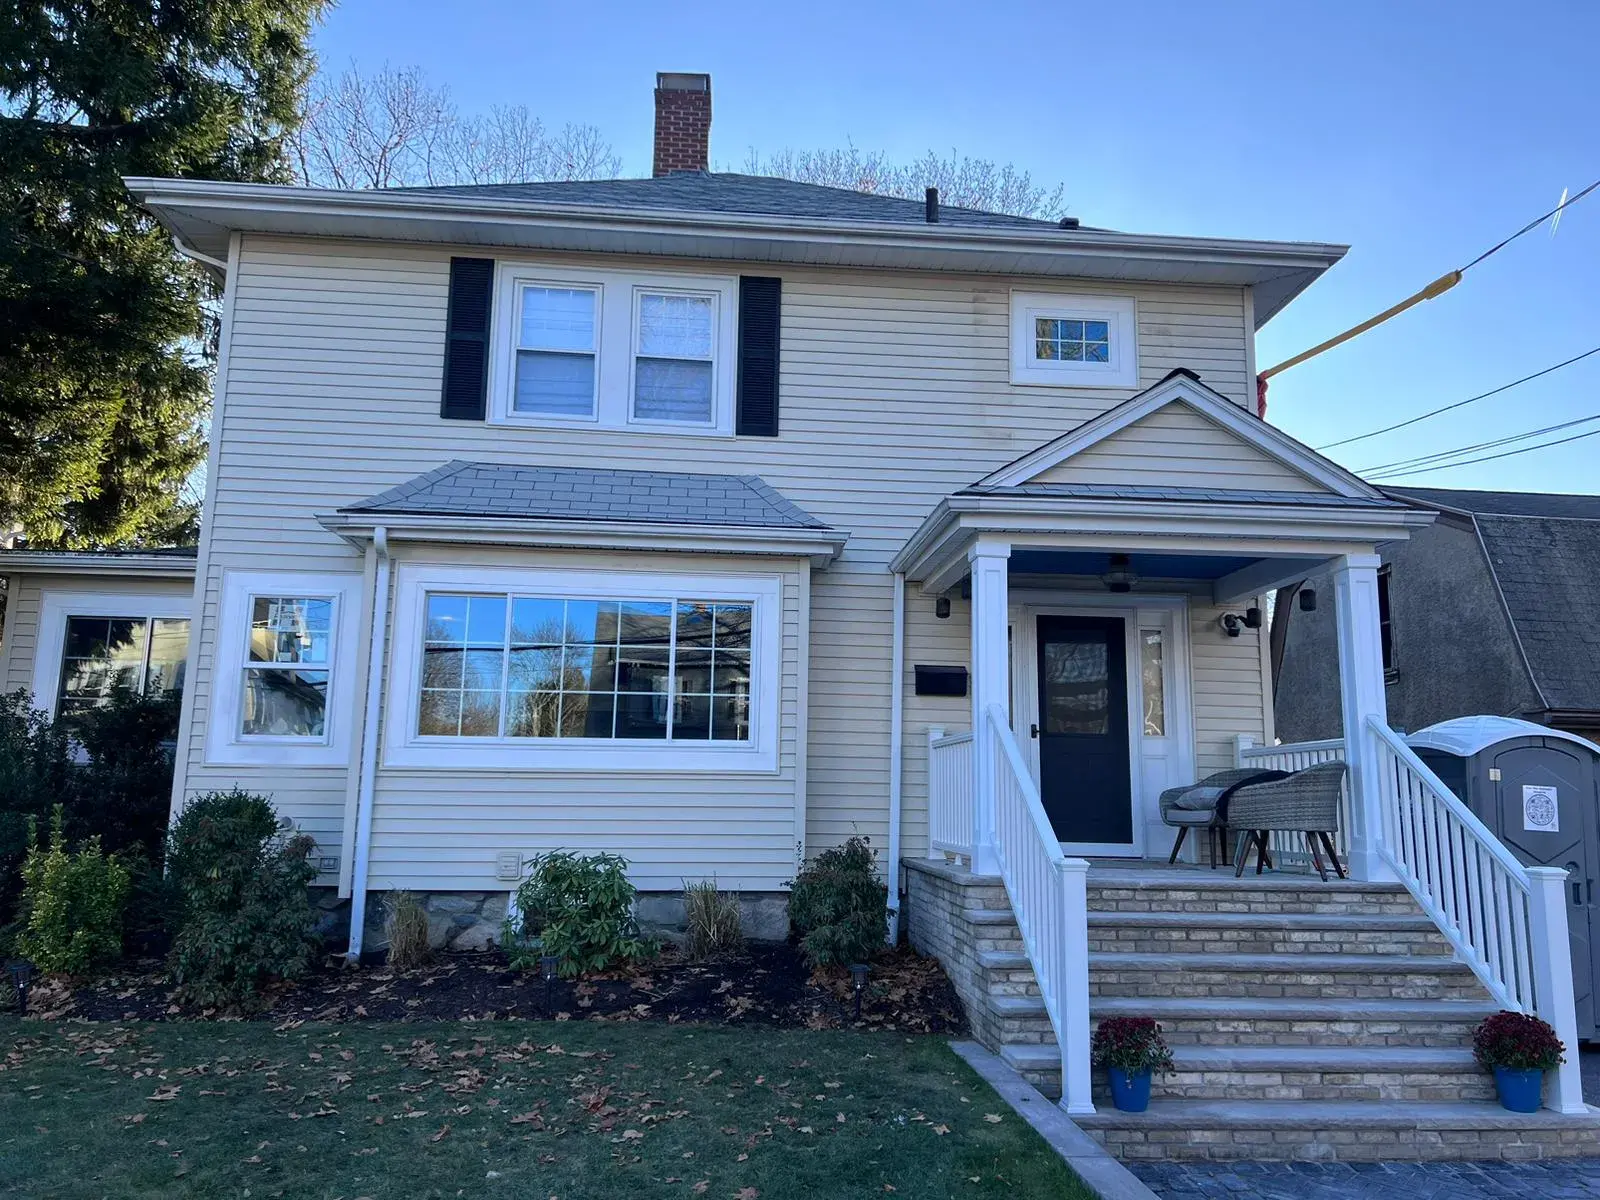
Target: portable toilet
<point x="1538" y="791"/>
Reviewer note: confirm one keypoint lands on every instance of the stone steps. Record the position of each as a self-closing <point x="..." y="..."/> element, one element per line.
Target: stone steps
<point x="1340" y="1131"/>
<point x="1235" y="1020"/>
<point x="1256" y="933"/>
<point x="1261" y="976"/>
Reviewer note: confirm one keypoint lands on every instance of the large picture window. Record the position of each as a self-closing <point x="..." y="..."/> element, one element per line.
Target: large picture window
<point x="570" y="667"/>
<point x="509" y="668"/>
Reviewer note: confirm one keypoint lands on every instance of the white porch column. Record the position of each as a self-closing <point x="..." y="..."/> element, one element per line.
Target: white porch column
<point x="1355" y="595"/>
<point x="990" y="685"/>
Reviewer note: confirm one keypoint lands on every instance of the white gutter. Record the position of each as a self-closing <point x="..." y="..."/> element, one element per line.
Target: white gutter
<point x="897" y="688"/>
<point x="369" y="746"/>
<point x="87" y="562"/>
<point x="188" y="251"/>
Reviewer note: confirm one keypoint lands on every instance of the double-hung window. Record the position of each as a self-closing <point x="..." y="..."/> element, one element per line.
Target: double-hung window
<point x="284" y="687"/>
<point x="555" y="351"/>
<point x="588" y="670"/>
<point x="615" y="349"/>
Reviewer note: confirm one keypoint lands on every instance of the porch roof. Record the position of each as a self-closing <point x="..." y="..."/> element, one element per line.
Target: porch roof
<point x="1263" y="539"/>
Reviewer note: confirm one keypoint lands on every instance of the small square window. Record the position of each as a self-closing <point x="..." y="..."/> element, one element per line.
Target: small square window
<point x="1073" y="341"/>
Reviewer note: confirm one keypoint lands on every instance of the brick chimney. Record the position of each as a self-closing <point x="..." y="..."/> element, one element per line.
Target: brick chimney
<point x="683" y="122"/>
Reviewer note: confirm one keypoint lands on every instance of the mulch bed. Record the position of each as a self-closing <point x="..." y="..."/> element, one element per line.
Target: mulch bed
<point x="768" y="985"/>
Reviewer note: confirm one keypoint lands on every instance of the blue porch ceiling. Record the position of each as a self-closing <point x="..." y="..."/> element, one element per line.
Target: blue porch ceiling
<point x="1146" y="566"/>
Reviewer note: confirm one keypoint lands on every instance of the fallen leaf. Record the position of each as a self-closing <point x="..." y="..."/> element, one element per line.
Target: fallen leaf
<point x="941" y="1130"/>
<point x="699" y="1189"/>
<point x="631" y="1135"/>
<point x="442" y="1134"/>
<point x="747" y="1193"/>
<point x="992" y="1118"/>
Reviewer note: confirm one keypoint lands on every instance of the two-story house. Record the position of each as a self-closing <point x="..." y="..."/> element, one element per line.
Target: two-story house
<point x="710" y="519"/>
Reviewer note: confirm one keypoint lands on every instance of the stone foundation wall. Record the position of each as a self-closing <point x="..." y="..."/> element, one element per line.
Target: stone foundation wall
<point x="938" y="901"/>
<point x="473" y="920"/>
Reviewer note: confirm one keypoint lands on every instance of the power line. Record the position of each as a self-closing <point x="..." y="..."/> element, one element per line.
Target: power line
<point x="1532" y="225"/>
<point x="1404" y="464"/>
<point x="1438" y="287"/>
<point x="1361" y="437"/>
<point x="1505" y="453"/>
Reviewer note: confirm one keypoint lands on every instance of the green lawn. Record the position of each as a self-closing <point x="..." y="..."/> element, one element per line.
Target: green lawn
<point x="524" y="1109"/>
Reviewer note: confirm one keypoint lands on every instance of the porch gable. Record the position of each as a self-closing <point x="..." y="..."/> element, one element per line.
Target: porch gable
<point x="1181" y="433"/>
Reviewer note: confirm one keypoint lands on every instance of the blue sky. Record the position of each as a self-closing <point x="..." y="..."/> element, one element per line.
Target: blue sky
<point x="1418" y="133"/>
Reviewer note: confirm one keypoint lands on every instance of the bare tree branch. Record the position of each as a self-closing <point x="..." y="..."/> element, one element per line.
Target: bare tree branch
<point x="395" y="129"/>
<point x="962" y="181"/>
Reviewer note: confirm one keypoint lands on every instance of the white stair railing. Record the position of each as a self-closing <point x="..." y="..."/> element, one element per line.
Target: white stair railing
<point x="1049" y="898"/>
<point x="1506" y="921"/>
<point x="950" y="821"/>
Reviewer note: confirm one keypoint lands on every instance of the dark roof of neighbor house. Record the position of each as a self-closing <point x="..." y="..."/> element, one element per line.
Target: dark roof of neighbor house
<point x="1544" y="551"/>
<point x="477" y="489"/>
<point x="1119" y="491"/>
<point x="723" y="192"/>
<point x="1510" y="504"/>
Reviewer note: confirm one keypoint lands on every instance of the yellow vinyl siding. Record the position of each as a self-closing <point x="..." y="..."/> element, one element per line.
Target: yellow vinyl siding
<point x="894" y="392"/>
<point x="1176" y="446"/>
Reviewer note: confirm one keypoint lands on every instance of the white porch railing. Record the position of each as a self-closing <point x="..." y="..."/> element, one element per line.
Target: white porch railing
<point x="1286" y="847"/>
<point x="950" y="817"/>
<point x="1049" y="898"/>
<point x="1506" y="921"/>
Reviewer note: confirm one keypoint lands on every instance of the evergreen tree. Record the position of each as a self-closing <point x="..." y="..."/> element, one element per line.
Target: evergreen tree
<point x="106" y="332"/>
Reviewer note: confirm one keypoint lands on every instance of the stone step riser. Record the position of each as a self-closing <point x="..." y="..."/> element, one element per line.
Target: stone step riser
<point x="1381" y="1086"/>
<point x="1206" y="1031"/>
<point x="1202" y="1144"/>
<point x="1293" y="985"/>
<point x="1265" y="901"/>
<point x="1262" y="941"/>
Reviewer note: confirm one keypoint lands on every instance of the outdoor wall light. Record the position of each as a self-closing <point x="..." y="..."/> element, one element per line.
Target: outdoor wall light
<point x="1120" y="578"/>
<point x="1234" y="623"/>
<point x="941" y="608"/>
<point x="1308" y="600"/>
<point x="858" y="980"/>
<point x="21" y="973"/>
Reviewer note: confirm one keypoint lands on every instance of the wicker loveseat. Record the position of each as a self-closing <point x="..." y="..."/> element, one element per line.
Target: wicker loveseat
<point x="1306" y="802"/>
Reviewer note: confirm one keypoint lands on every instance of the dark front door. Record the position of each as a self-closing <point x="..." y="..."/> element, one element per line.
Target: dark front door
<point x="1083" y="729"/>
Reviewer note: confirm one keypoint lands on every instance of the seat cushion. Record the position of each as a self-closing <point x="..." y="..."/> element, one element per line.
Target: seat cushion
<point x="1188" y="816"/>
<point x="1200" y="799"/>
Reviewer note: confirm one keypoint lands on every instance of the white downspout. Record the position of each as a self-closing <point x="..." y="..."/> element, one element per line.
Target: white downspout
<point x="369" y="746"/>
<point x="897" y="687"/>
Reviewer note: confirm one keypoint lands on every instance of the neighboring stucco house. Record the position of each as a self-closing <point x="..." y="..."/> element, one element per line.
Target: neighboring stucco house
<point x="710" y="519"/>
<point x="1495" y="608"/>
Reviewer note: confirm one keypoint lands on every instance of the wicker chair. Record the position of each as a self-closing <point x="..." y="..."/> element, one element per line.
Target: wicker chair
<point x="1185" y="819"/>
<point x="1306" y="802"/>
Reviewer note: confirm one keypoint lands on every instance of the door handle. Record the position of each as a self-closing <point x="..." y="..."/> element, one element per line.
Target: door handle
<point x="1033" y="731"/>
<point x="1577" y="885"/>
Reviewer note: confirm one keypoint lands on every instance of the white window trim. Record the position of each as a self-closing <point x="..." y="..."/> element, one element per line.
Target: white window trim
<point x="225" y="744"/>
<point x="615" y="339"/>
<point x="57" y="606"/>
<point x="1120" y="312"/>
<point x="404" y="747"/>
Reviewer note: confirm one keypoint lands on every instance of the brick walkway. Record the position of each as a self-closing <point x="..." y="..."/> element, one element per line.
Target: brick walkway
<point x="1574" y="1179"/>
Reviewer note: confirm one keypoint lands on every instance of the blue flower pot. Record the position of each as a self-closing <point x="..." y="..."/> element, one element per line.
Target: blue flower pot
<point x="1520" y="1089"/>
<point x="1130" y="1092"/>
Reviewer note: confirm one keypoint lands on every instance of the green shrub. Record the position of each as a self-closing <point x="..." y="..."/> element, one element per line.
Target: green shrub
<point x="578" y="908"/>
<point x="247" y="919"/>
<point x="712" y="925"/>
<point x="110" y="769"/>
<point x="839" y="907"/>
<point x="405" y="927"/>
<point x="72" y="904"/>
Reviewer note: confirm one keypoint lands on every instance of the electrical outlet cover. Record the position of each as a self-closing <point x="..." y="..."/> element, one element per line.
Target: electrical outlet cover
<point x="328" y="864"/>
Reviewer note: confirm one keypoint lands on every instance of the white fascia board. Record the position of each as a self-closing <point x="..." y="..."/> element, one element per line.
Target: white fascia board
<point x="1273" y="531"/>
<point x="122" y="566"/>
<point x="1249" y="429"/>
<point x="200" y="210"/>
<point x="821" y="546"/>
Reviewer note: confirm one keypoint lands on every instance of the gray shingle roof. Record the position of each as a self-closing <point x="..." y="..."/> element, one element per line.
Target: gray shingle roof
<point x="1514" y="504"/>
<point x="1549" y="572"/>
<point x="1117" y="491"/>
<point x="474" y="489"/>
<point x="720" y="192"/>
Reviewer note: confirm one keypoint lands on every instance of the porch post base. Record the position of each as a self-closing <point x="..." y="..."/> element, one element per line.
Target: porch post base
<point x="985" y="861"/>
<point x="1368" y="866"/>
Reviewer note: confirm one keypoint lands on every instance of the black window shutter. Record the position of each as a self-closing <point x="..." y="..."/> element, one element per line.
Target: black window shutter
<point x="466" y="347"/>
<point x="760" y="305"/>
